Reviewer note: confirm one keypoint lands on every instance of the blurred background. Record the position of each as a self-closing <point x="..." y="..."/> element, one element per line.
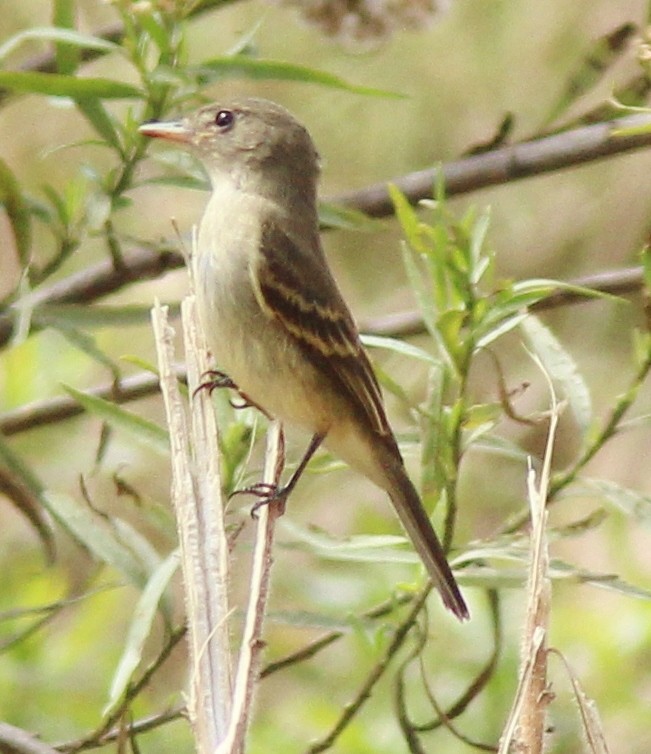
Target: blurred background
<point x="461" y="71"/>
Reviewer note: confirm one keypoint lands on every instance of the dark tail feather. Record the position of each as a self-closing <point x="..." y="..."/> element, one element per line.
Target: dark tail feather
<point x="419" y="528"/>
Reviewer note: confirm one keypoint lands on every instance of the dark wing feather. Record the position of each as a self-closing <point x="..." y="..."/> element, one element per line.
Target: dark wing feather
<point x="295" y="287"/>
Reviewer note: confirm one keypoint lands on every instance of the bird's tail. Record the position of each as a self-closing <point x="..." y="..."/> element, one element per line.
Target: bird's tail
<point x="416" y="522"/>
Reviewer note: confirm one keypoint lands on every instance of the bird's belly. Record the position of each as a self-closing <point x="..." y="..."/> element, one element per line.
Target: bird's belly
<point x="259" y="356"/>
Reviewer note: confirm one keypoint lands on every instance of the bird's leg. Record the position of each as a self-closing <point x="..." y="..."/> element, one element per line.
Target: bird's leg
<point x="213" y="379"/>
<point x="268" y="493"/>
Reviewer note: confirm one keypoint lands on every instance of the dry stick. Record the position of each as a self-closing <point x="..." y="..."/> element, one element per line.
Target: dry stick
<point x="252" y="643"/>
<point x="196" y="492"/>
<point x="525" y="727"/>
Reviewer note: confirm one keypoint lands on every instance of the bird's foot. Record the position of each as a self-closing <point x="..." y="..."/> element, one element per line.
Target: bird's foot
<point x="213" y="379"/>
<point x="267" y="494"/>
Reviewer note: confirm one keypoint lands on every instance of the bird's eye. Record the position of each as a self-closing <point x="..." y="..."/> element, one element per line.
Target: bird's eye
<point x="224" y="119"/>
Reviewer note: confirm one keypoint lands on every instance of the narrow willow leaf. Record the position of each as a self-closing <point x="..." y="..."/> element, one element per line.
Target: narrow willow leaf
<point x="561" y="367"/>
<point x="17" y="212"/>
<point x="592" y="727"/>
<point x="400" y="347"/>
<point x="57" y="85"/>
<point x="424" y="298"/>
<point x="361" y="548"/>
<point x="101" y="121"/>
<point x="345" y="218"/>
<point x="67" y="56"/>
<point x="85" y="343"/>
<point x="242" y="65"/>
<point x="497" y="329"/>
<point x="60" y="35"/>
<point x="479" y="260"/>
<point x="90" y="316"/>
<point x="145" y="432"/>
<point x="603" y="53"/>
<point x="633" y="504"/>
<point x="96" y="533"/>
<point x="646" y="267"/>
<point x="543" y="287"/>
<point x="140" y="629"/>
<point x="500" y="446"/>
<point x="406" y="215"/>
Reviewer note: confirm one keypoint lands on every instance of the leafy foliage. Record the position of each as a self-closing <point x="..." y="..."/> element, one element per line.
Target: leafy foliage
<point x="109" y="600"/>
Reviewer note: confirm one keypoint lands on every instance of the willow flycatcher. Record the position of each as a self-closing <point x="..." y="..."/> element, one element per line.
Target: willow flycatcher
<point x="273" y="314"/>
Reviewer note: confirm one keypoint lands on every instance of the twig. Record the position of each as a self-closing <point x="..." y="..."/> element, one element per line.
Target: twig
<point x="52" y="410"/>
<point x="378" y="670"/>
<point x="252" y="642"/>
<point x="507" y="164"/>
<point x="96" y="738"/>
<point x="478" y="683"/>
<point x="132" y="729"/>
<point x="15" y="740"/>
<point x="328" y="638"/>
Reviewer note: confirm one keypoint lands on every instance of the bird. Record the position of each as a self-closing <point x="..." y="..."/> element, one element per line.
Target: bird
<point x="275" y="320"/>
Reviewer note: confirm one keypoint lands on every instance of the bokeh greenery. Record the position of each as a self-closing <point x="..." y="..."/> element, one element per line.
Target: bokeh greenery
<point x="90" y="520"/>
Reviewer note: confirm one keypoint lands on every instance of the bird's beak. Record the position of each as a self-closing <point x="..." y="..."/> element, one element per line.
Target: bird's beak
<point x="172" y="131"/>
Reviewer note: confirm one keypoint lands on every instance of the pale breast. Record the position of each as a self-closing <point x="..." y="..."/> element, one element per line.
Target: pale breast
<point x="250" y="346"/>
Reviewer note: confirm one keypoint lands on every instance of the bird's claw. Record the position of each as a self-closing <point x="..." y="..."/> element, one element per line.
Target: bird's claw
<point x="267" y="494"/>
<point x="213" y="379"/>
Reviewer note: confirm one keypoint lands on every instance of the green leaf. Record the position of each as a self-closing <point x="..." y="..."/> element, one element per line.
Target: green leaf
<point x="91" y="316"/>
<point x="401" y="347"/>
<point x="145" y="432"/>
<point x="424" y="297"/>
<point x="646" y="268"/>
<point x="97" y="533"/>
<point x="58" y="85"/>
<point x="101" y="121"/>
<point x="83" y="341"/>
<point x="67" y="56"/>
<point x="17" y="212"/>
<point x="361" y="548"/>
<point x="407" y="217"/>
<point x="140" y="629"/>
<point x="633" y="504"/>
<point x="345" y="218"/>
<point x="602" y="53"/>
<point x="68" y="37"/>
<point x="242" y="65"/>
<point x="487" y="335"/>
<point x="561" y="367"/>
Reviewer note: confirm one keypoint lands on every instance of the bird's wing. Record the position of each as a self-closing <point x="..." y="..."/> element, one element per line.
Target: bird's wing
<point x="295" y="287"/>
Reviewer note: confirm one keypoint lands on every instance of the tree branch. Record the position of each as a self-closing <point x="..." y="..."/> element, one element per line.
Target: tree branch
<point x="507" y="164"/>
<point x="580" y="145"/>
<point x="51" y="410"/>
<point x="612" y="282"/>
